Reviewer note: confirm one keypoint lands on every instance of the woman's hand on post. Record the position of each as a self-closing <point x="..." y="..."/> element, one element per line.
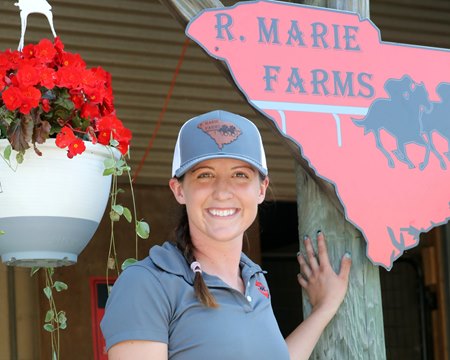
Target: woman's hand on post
<point x="325" y="289"/>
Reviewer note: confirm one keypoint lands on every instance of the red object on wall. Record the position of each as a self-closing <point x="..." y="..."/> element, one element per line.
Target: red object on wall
<point x="99" y="295"/>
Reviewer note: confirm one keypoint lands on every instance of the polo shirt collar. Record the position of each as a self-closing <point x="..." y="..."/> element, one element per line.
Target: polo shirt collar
<point x="170" y="259"/>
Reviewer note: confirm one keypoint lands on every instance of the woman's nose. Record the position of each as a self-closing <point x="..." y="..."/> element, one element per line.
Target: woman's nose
<point x="223" y="189"/>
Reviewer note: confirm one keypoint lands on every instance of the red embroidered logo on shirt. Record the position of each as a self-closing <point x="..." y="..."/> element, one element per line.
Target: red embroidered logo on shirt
<point x="262" y="289"/>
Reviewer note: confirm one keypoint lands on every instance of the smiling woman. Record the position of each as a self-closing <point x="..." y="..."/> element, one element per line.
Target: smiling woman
<point x="200" y="296"/>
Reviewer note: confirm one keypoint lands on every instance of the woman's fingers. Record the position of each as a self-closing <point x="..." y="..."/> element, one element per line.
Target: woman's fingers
<point x="305" y="270"/>
<point x="322" y="249"/>
<point x="317" y="277"/>
<point x="346" y="264"/>
<point x="312" y="263"/>
<point x="312" y="259"/>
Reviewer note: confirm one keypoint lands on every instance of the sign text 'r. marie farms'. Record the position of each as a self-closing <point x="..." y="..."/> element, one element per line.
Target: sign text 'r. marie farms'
<point x="371" y="117"/>
<point x="295" y="77"/>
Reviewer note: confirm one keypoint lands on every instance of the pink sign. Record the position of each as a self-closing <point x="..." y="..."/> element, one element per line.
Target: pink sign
<point x="371" y="117"/>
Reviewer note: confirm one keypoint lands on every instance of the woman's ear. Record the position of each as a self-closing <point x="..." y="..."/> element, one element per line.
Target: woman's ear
<point x="177" y="190"/>
<point x="262" y="189"/>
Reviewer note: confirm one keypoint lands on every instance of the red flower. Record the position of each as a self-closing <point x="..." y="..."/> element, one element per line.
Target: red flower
<point x="13" y="57"/>
<point x="68" y="77"/>
<point x="45" y="51"/>
<point x="27" y="75"/>
<point x="48" y="78"/>
<point x="90" y="111"/>
<point x="105" y="127"/>
<point x="104" y="136"/>
<point x="77" y="99"/>
<point x="110" y="126"/>
<point x="72" y="60"/>
<point x="108" y="102"/>
<point x="90" y="80"/>
<point x="95" y="95"/>
<point x="42" y="77"/>
<point x="12" y="97"/>
<point x="65" y="137"/>
<point x="123" y="136"/>
<point x="46" y="105"/>
<point x="102" y="75"/>
<point x="59" y="46"/>
<point x="76" y="147"/>
<point x="30" y="99"/>
<point x="28" y="51"/>
<point x="4" y="63"/>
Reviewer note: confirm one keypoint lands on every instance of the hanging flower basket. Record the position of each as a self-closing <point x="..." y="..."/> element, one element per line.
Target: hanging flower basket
<point x="58" y="123"/>
<point x="61" y="146"/>
<point x="51" y="205"/>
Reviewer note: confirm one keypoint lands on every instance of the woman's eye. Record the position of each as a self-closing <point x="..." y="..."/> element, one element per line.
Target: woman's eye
<point x="204" y="175"/>
<point x="241" y="175"/>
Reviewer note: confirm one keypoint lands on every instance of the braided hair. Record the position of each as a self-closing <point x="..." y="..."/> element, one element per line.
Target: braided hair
<point x="183" y="242"/>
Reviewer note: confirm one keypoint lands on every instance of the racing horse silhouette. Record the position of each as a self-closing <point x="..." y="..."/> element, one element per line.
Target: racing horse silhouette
<point x="438" y="120"/>
<point x="400" y="116"/>
<point x="33" y="6"/>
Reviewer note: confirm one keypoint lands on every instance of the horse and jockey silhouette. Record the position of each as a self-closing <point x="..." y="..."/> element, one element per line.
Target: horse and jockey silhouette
<point x="33" y="6"/>
<point x="410" y="117"/>
<point x="438" y="120"/>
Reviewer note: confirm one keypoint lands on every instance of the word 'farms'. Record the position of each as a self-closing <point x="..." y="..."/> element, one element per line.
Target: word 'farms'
<point x="320" y="36"/>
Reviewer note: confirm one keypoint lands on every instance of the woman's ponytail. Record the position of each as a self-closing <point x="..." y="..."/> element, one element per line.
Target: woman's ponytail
<point x="184" y="243"/>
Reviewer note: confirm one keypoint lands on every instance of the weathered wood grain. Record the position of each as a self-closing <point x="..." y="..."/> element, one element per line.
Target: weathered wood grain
<point x="357" y="331"/>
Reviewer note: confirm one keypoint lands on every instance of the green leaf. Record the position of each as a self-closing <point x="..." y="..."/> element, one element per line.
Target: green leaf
<point x="120" y="163"/>
<point x="60" y="286"/>
<point x="127" y="263"/>
<point x="63" y="325"/>
<point x="49" y="316"/>
<point x="109" y="163"/>
<point x="142" y="229"/>
<point x="2" y="232"/>
<point x="62" y="319"/>
<point x="19" y="157"/>
<point x="7" y="152"/>
<point x="64" y="103"/>
<point x="48" y="292"/>
<point x="49" y="327"/>
<point x="54" y="356"/>
<point x="118" y="209"/>
<point x="109" y="171"/>
<point x="113" y="142"/>
<point x="114" y="216"/>
<point x="127" y="214"/>
<point x="34" y="270"/>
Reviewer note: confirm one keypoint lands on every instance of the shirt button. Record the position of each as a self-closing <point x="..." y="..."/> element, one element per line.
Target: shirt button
<point x="249" y="298"/>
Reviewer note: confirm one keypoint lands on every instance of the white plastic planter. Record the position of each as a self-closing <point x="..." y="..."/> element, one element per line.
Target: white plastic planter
<point x="51" y="206"/>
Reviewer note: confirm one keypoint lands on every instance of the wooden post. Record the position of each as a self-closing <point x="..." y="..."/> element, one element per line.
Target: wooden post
<point x="357" y="330"/>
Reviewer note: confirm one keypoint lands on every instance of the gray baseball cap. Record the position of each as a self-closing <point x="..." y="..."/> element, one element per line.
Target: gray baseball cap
<point x="218" y="134"/>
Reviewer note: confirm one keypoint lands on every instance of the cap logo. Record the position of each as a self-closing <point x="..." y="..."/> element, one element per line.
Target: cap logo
<point x="220" y="131"/>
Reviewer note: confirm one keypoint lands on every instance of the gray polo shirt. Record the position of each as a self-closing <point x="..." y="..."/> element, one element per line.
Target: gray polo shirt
<point x="154" y="300"/>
